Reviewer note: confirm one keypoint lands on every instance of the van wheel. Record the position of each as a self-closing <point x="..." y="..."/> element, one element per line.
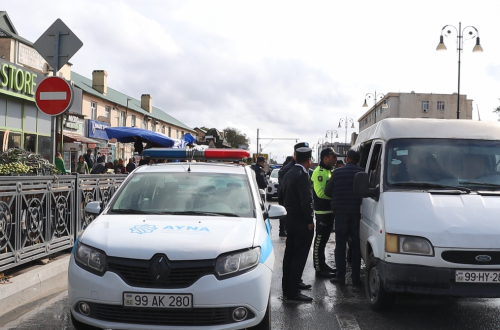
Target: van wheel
<point x="265" y="324"/>
<point x="80" y="325"/>
<point x="378" y="298"/>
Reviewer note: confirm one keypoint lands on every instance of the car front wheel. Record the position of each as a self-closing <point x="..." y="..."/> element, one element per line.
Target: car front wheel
<point x="378" y="297"/>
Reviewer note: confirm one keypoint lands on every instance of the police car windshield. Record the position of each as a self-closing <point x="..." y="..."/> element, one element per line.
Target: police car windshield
<point x="186" y="194"/>
<point x="274" y="173"/>
<point x="472" y="164"/>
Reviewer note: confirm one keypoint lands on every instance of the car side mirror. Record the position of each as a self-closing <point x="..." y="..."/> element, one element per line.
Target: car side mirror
<point x="93" y="208"/>
<point x="362" y="186"/>
<point x="276" y="212"/>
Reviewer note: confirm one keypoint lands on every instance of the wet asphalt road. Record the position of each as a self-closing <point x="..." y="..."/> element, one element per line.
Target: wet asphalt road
<point x="333" y="307"/>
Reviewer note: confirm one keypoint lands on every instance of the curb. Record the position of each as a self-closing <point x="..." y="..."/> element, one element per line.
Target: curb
<point x="33" y="284"/>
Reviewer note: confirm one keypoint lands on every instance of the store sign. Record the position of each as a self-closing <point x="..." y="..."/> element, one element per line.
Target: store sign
<point x="30" y="57"/>
<point x="75" y="119"/>
<point x="97" y="129"/>
<point x="18" y="81"/>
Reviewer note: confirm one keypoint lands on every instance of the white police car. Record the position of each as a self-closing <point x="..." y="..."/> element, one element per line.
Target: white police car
<point x="273" y="184"/>
<point x="179" y="246"/>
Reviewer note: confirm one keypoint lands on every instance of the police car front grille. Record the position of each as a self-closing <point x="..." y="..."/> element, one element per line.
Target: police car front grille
<point x="181" y="274"/>
<point x="162" y="316"/>
<point x="469" y="257"/>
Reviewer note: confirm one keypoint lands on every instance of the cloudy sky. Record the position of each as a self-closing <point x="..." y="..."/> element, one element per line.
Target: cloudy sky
<point x="290" y="68"/>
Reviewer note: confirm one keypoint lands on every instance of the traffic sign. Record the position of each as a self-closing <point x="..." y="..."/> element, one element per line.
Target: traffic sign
<point x="54" y="96"/>
<point x="58" y="44"/>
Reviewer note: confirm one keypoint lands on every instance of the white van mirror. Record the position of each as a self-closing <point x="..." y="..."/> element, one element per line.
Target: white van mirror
<point x="362" y="187"/>
<point x="93" y="208"/>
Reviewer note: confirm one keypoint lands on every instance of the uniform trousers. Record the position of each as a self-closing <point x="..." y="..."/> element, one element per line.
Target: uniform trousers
<point x="347" y="226"/>
<point x="324" y="225"/>
<point x="297" y="249"/>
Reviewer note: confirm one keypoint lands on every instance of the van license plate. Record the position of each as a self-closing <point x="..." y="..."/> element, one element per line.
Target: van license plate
<point x="157" y="300"/>
<point x="476" y="276"/>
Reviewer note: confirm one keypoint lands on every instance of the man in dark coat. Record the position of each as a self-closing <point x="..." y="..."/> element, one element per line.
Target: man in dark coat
<point x="290" y="162"/>
<point x="346" y="207"/>
<point x="297" y="198"/>
<point x="89" y="158"/>
<point x="260" y="174"/>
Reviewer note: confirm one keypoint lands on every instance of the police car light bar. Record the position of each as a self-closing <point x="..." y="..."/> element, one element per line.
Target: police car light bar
<point x="222" y="154"/>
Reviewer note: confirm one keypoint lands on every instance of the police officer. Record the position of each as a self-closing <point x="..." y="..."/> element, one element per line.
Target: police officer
<point x="290" y="162"/>
<point x="296" y="196"/>
<point x="260" y="174"/>
<point x="323" y="211"/>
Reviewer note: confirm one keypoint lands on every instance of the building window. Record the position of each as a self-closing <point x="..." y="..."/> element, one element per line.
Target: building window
<point x="182" y="133"/>
<point x="107" y="112"/>
<point x="133" y="121"/>
<point x="153" y="126"/>
<point x="145" y="123"/>
<point x="425" y="105"/>
<point x="170" y="132"/>
<point x="440" y="105"/>
<point x="93" y="110"/>
<point x="163" y="129"/>
<point x="122" y="119"/>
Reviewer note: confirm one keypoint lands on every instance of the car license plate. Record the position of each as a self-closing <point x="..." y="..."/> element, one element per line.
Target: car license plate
<point x="477" y="276"/>
<point x="154" y="300"/>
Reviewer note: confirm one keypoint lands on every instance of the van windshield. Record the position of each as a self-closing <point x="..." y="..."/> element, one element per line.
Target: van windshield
<point x="204" y="194"/>
<point x="472" y="164"/>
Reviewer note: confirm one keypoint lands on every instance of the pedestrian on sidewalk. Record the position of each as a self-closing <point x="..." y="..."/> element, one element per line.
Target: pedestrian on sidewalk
<point x="82" y="166"/>
<point x="89" y="159"/>
<point x="323" y="212"/>
<point x="60" y="163"/>
<point x="297" y="198"/>
<point x="346" y="207"/>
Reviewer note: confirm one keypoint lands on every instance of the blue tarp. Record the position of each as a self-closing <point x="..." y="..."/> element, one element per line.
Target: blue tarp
<point x="126" y="135"/>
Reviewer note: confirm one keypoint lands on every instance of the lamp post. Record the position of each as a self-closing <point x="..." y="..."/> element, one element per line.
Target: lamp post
<point x="346" y="121"/>
<point x="473" y="33"/>
<point x="376" y="97"/>
<point x="331" y="131"/>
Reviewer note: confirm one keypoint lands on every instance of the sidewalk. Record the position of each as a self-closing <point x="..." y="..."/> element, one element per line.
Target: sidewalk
<point x="33" y="282"/>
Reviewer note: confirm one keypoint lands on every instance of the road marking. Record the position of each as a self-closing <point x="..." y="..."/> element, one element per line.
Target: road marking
<point x="347" y="322"/>
<point x="52" y="95"/>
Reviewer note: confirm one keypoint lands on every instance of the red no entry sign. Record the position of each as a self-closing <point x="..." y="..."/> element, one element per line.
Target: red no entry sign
<point x="53" y="96"/>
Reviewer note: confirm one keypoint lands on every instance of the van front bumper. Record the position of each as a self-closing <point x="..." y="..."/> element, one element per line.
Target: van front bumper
<point x="433" y="281"/>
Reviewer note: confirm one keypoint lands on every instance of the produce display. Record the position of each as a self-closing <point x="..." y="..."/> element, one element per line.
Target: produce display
<point x="18" y="161"/>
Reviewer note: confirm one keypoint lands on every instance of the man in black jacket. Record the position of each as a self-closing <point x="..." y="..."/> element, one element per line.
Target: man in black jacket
<point x="296" y="196"/>
<point x="89" y="158"/>
<point x="260" y="174"/>
<point x="346" y="207"/>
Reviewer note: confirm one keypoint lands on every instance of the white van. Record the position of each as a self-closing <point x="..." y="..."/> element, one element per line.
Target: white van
<point x="430" y="218"/>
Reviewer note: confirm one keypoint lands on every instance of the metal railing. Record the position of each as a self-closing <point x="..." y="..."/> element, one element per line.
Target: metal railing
<point x="41" y="215"/>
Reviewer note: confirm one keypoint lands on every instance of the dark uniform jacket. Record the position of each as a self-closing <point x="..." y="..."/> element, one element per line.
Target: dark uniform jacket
<point x="260" y="175"/>
<point x="296" y="196"/>
<point x="340" y="188"/>
<point x="281" y="174"/>
<point x="89" y="159"/>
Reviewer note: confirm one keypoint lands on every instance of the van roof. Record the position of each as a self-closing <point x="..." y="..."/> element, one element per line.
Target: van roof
<point x="392" y="128"/>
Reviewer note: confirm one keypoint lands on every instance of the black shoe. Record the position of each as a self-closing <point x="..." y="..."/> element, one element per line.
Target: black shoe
<point x="282" y="234"/>
<point x="300" y="297"/>
<point x="338" y="280"/>
<point x="330" y="269"/>
<point x="303" y="286"/>
<point x="325" y="274"/>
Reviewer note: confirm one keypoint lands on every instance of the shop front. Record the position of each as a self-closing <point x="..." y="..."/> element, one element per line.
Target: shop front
<point x="97" y="131"/>
<point x="22" y="125"/>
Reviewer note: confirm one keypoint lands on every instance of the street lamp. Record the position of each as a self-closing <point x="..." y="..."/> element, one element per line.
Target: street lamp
<point x="331" y="131"/>
<point x="376" y="97"/>
<point x="346" y="121"/>
<point x="473" y="33"/>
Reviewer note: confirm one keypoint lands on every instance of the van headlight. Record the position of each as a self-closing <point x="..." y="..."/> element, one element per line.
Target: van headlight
<point x="235" y="263"/>
<point x="90" y="259"/>
<point x="408" y="245"/>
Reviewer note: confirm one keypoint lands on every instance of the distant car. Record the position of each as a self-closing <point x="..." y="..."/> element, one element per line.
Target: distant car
<point x="273" y="184"/>
<point x="179" y="246"/>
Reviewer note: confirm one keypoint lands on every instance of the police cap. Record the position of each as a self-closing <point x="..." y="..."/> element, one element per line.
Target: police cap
<point x="327" y="152"/>
<point x="300" y="145"/>
<point x="303" y="154"/>
<point x="260" y="159"/>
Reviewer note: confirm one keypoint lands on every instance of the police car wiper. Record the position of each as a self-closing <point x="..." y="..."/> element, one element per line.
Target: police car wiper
<point x="431" y="185"/>
<point x="128" y="211"/>
<point x="214" y="214"/>
<point x="480" y="183"/>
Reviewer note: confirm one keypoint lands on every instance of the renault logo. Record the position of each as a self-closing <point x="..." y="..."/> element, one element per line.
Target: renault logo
<point x="159" y="268"/>
<point x="483" y="258"/>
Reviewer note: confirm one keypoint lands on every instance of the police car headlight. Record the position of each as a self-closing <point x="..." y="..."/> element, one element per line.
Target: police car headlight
<point x="237" y="262"/>
<point x="90" y="259"/>
<point x="408" y="245"/>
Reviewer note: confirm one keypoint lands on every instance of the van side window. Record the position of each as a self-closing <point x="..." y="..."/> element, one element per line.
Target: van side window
<point x="364" y="151"/>
<point x="375" y="166"/>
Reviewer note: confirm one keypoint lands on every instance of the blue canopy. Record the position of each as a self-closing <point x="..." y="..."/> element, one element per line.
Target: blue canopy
<point x="126" y="135"/>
